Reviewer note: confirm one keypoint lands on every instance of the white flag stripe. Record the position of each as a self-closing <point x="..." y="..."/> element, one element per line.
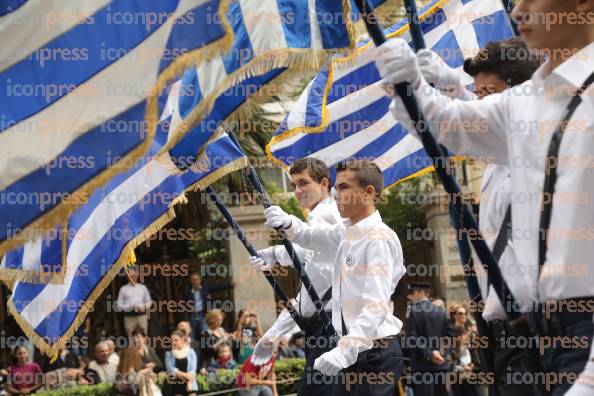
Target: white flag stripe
<point x="210" y="74"/>
<point x="67" y="119"/>
<point x="341" y="108"/>
<point x="51" y="18"/>
<point x="405" y="147"/>
<point x="32" y="255"/>
<point x="255" y="18"/>
<point x="350" y="145"/>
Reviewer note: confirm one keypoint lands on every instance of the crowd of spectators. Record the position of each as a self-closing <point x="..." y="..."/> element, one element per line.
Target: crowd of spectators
<point x="199" y="344"/>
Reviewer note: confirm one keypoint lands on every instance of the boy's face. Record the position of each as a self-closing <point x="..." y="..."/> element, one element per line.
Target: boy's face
<point x="352" y="199"/>
<point x="488" y="83"/>
<point x="551" y="24"/>
<point x="308" y="191"/>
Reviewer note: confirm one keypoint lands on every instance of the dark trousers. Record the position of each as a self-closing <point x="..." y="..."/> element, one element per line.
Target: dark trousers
<point x="375" y="373"/>
<point x="513" y="357"/>
<point x="571" y="360"/>
<point x="312" y="382"/>
<point x="430" y="384"/>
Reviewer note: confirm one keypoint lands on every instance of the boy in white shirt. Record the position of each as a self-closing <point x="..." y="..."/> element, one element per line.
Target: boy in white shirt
<point x="367" y="268"/>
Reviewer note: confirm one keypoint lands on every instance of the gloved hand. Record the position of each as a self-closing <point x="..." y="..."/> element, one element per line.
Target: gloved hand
<point x="268" y="255"/>
<point x="398" y="63"/>
<point x="259" y="264"/>
<point x="262" y="351"/>
<point x="328" y="363"/>
<point x="436" y="71"/>
<point x="277" y="218"/>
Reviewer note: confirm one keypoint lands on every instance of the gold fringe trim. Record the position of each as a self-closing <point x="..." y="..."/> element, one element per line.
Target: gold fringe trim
<point x="152" y="229"/>
<point x="81" y="195"/>
<point x="11" y="275"/>
<point x="346" y="61"/>
<point x="299" y="59"/>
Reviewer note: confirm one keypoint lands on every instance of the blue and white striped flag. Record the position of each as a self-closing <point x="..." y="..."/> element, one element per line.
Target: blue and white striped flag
<point x="273" y="39"/>
<point x="79" y="99"/>
<point x="344" y="112"/>
<point x="101" y="236"/>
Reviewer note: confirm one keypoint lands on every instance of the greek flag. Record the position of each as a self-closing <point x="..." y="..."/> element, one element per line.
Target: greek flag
<point x="273" y="39"/>
<point x="101" y="236"/>
<point x="344" y="112"/>
<point x="80" y="90"/>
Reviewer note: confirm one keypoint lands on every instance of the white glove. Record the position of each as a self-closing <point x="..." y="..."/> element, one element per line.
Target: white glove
<point x="328" y="363"/>
<point x="277" y="218"/>
<point x="268" y="255"/>
<point x="436" y="71"/>
<point x="262" y="351"/>
<point x="259" y="264"/>
<point x="398" y="63"/>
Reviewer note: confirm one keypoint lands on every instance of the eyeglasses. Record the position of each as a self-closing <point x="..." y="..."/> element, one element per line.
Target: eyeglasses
<point x="460" y="313"/>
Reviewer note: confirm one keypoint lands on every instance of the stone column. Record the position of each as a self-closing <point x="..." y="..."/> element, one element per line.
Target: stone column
<point x="252" y="290"/>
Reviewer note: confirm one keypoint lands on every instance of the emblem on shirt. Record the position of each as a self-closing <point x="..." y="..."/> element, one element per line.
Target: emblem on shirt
<point x="349" y="260"/>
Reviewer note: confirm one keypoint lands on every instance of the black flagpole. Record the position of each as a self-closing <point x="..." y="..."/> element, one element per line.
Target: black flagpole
<point x="212" y="194"/>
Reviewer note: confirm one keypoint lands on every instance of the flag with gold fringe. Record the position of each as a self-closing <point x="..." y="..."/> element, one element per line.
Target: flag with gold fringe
<point x="80" y="100"/>
<point x="101" y="239"/>
<point x="344" y="111"/>
<point x="273" y="40"/>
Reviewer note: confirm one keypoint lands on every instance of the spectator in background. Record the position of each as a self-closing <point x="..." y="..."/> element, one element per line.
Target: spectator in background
<point x="134" y="300"/>
<point x="294" y="348"/>
<point x="224" y="359"/>
<point x="80" y="341"/>
<point x="438" y="302"/>
<point x="459" y="316"/>
<point x="83" y="374"/>
<point x="148" y="356"/>
<point x="24" y="377"/>
<point x="184" y="327"/>
<point x="65" y="359"/>
<point x="113" y="358"/>
<point x="199" y="296"/>
<point x="181" y="363"/>
<point x="102" y="365"/>
<point x="258" y="380"/>
<point x="463" y="363"/>
<point x="131" y="377"/>
<point x="214" y="336"/>
<point x="247" y="333"/>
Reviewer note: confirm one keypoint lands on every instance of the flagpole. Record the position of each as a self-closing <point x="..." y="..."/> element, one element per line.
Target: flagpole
<point x="212" y="194"/>
<point x="404" y="90"/>
<point x="255" y="181"/>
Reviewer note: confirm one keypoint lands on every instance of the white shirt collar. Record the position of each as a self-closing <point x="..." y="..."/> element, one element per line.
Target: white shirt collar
<point x="574" y="70"/>
<point x="366" y="223"/>
<point x="320" y="206"/>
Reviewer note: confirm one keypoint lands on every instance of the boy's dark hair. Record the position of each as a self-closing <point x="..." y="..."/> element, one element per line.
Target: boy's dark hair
<point x="317" y="169"/>
<point x="510" y="60"/>
<point x="368" y="173"/>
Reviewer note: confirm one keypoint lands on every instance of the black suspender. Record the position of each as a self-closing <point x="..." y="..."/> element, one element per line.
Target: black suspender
<point x="504" y="235"/>
<point x="551" y="171"/>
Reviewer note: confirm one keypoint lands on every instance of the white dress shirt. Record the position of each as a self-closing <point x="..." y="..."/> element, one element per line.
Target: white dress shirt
<point x="495" y="199"/>
<point x="318" y="267"/>
<point x="367" y="268"/>
<point x="133" y="296"/>
<point x="514" y="128"/>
